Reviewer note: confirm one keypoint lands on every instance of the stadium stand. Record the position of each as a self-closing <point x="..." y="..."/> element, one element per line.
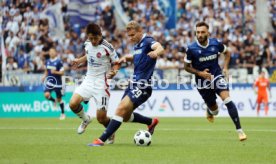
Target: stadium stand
<point x="28" y="35"/>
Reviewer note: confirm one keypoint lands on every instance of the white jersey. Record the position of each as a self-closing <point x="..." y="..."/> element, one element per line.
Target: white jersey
<point x="99" y="58"/>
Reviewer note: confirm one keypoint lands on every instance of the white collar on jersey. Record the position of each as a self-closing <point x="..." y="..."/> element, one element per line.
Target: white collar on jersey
<point x="53" y="59"/>
<point x="202" y="45"/>
<point x="144" y="35"/>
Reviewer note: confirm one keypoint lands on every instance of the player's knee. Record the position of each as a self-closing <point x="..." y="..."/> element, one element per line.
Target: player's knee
<point x="73" y="105"/>
<point x="59" y="99"/>
<point x="102" y="119"/>
<point x="121" y="111"/>
<point x="47" y="95"/>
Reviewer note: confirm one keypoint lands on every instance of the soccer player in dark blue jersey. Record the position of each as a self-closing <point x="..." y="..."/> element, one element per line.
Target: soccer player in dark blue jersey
<point x="52" y="80"/>
<point x="202" y="60"/>
<point x="146" y="50"/>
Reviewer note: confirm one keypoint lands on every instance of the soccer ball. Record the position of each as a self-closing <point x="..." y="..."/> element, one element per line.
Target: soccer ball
<point x="142" y="138"/>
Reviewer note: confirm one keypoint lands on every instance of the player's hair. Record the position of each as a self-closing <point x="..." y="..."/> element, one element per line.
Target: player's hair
<point x="133" y="25"/>
<point x="199" y="24"/>
<point x="93" y="29"/>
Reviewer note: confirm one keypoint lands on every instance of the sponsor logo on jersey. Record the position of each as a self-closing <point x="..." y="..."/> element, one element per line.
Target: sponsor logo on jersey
<point x="208" y="58"/>
<point x="138" y="51"/>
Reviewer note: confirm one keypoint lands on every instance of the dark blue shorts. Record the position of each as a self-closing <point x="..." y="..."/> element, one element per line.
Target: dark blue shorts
<point x="58" y="91"/>
<point x="209" y="93"/>
<point x="138" y="93"/>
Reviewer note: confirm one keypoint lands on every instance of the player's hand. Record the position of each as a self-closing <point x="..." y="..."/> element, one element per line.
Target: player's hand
<point x="111" y="74"/>
<point x="121" y="60"/>
<point x="75" y="63"/>
<point x="153" y="54"/>
<point x="205" y="74"/>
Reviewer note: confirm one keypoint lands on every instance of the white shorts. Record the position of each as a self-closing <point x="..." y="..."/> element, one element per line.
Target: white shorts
<point x="97" y="89"/>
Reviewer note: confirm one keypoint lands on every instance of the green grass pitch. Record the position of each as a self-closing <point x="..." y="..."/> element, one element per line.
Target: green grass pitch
<point x="176" y="140"/>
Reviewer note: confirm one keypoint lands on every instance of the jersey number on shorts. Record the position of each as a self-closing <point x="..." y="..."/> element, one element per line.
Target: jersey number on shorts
<point x="136" y="92"/>
<point x="104" y="101"/>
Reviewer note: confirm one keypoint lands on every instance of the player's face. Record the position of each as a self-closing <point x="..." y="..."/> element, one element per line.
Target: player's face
<point x="94" y="39"/>
<point x="52" y="53"/>
<point x="134" y="36"/>
<point x="202" y="34"/>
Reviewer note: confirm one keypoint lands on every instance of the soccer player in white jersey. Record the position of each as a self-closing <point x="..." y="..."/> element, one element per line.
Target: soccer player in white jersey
<point x="99" y="55"/>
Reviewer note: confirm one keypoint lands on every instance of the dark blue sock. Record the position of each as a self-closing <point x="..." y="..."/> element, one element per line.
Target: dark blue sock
<point x="113" y="125"/>
<point x="62" y="107"/>
<point x="233" y="112"/>
<point x="141" y="119"/>
<point x="51" y="99"/>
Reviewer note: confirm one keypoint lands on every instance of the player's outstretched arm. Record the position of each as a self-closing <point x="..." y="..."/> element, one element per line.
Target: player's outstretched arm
<point x="114" y="70"/>
<point x="125" y="59"/>
<point x="157" y="50"/>
<point x="44" y="75"/>
<point x="77" y="62"/>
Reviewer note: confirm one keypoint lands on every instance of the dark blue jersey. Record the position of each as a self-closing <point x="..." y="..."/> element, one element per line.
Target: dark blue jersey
<point x="205" y="57"/>
<point x="143" y="64"/>
<point x="53" y="79"/>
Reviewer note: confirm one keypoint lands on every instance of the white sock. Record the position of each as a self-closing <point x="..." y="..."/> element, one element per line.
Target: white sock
<point x="213" y="112"/>
<point x="131" y="118"/>
<point x="83" y="115"/>
<point x="239" y="130"/>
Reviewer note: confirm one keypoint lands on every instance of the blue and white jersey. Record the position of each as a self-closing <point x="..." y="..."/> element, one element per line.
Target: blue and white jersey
<point x="53" y="80"/>
<point x="143" y="64"/>
<point x="205" y="57"/>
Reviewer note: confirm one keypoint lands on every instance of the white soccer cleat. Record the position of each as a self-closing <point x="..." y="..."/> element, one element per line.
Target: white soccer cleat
<point x="62" y="117"/>
<point x="83" y="125"/>
<point x="111" y="139"/>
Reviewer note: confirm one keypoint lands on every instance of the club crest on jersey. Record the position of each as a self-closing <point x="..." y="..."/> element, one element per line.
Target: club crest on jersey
<point x="99" y="55"/>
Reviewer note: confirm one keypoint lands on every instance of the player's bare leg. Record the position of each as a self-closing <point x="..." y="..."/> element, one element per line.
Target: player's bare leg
<point x="258" y="109"/>
<point x="48" y="96"/>
<point x="233" y="112"/>
<point x="77" y="108"/>
<point x="266" y="108"/>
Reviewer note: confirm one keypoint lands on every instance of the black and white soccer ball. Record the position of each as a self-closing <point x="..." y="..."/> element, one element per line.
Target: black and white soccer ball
<point x="142" y="138"/>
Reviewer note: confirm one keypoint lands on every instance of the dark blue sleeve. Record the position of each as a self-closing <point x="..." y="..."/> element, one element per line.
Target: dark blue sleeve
<point x="60" y="66"/>
<point x="188" y="56"/>
<point x="221" y="47"/>
<point x="150" y="41"/>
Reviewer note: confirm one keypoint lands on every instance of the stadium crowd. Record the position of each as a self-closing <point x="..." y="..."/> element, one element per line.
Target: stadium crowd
<point x="27" y="35"/>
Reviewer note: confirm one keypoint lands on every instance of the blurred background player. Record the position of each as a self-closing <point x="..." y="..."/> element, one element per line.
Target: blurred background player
<point x="202" y="60"/>
<point x="260" y="86"/>
<point x="53" y="81"/>
<point x="100" y="55"/>
<point x="146" y="50"/>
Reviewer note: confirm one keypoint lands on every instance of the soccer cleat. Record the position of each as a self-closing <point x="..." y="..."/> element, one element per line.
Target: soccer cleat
<point x="62" y="117"/>
<point x="111" y="139"/>
<point x="96" y="142"/>
<point x="242" y="136"/>
<point x="209" y="116"/>
<point x="83" y="125"/>
<point x="151" y="127"/>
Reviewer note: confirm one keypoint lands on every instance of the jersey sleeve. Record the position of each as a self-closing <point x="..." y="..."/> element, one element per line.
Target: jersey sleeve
<point x="222" y="48"/>
<point x="112" y="53"/>
<point x="150" y="42"/>
<point x="60" y="66"/>
<point x="188" y="56"/>
<point x="256" y="83"/>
